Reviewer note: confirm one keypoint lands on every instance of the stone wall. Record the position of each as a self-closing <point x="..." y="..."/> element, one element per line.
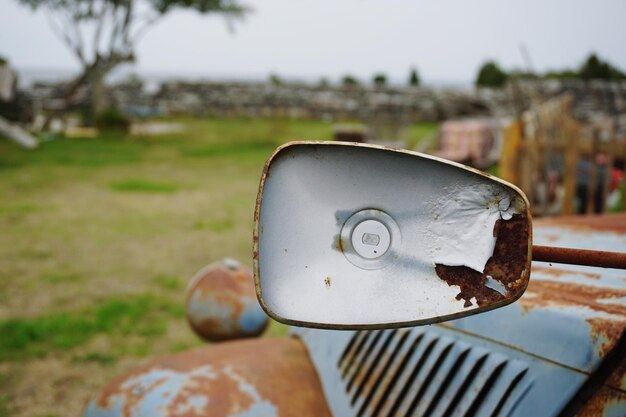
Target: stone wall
<point x="355" y="103"/>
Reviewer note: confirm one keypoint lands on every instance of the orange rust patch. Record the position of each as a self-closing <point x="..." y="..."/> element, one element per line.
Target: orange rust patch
<point x="601" y="400"/>
<point x="226" y="398"/>
<point x="551" y="238"/>
<point x="610" y="331"/>
<point x="507" y="265"/>
<point x="605" y="222"/>
<point x="257" y="209"/>
<point x="134" y="399"/>
<point x="279" y="370"/>
<point x="231" y="289"/>
<point x="257" y="204"/>
<point x="510" y="256"/>
<point x="548" y="294"/>
<point x="340" y="244"/>
<point x="472" y="284"/>
<point x="221" y="277"/>
<point x="566" y="294"/>
<point x="556" y="272"/>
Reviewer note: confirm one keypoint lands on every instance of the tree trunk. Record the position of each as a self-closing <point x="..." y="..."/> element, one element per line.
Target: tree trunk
<point x="95" y="106"/>
<point x="92" y="77"/>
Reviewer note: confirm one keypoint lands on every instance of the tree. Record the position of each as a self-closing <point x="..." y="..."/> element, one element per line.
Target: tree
<point x="380" y="80"/>
<point x="563" y="74"/>
<point x="491" y="75"/>
<point x="414" y="79"/>
<point x="349" y="81"/>
<point x="521" y="74"/>
<point x="103" y="34"/>
<point x="596" y="69"/>
<point x="324" y="82"/>
<point x="275" y="79"/>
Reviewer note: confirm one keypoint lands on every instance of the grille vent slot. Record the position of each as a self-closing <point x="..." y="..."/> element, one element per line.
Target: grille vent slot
<point x="406" y="373"/>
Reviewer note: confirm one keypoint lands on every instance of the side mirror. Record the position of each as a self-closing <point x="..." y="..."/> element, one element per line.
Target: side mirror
<point x="353" y="236"/>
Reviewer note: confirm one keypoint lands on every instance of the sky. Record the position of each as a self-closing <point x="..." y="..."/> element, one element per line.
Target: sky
<point x="446" y="40"/>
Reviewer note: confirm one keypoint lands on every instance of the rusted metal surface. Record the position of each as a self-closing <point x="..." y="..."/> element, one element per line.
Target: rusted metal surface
<point x="590" y="300"/>
<point x="609" y="222"/>
<point x="561" y="272"/>
<point x="221" y="303"/>
<point x="564" y="339"/>
<point x="571" y="315"/>
<point x="608" y="321"/>
<point x="508" y="267"/>
<point x="617" y="379"/>
<point x="606" y="402"/>
<point x="602" y="259"/>
<point x="602" y="393"/>
<point x="261" y="377"/>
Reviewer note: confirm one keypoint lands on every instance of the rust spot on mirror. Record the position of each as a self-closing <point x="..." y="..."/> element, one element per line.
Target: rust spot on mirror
<point x="506" y="273"/>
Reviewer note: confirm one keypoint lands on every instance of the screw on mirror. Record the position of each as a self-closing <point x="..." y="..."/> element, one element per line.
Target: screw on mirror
<point x="585" y="257"/>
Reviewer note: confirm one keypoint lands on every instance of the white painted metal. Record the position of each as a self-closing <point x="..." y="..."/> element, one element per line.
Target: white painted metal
<point x="321" y="208"/>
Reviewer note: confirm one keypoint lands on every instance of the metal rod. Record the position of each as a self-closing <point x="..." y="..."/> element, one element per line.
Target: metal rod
<point x="598" y="258"/>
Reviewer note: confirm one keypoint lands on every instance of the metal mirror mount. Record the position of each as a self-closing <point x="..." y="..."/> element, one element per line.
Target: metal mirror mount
<point x="353" y="236"/>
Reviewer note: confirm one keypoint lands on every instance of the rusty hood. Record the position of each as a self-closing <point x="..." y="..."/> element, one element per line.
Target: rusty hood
<point x="559" y="350"/>
<point x="572" y="315"/>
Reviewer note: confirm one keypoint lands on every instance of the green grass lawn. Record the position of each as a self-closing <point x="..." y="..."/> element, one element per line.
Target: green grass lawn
<point x="99" y="238"/>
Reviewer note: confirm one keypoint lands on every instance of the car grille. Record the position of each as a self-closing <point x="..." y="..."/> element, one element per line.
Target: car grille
<point x="419" y="373"/>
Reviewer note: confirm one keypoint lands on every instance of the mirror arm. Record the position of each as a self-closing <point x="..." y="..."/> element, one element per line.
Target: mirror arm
<point x="597" y="258"/>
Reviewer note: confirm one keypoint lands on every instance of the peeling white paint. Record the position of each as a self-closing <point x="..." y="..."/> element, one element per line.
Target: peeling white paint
<point x="462" y="224"/>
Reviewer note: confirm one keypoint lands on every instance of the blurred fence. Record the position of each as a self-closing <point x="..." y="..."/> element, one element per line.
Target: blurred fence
<point x="562" y="165"/>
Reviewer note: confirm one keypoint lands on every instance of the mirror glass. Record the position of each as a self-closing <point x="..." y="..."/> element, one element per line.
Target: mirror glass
<point x="353" y="236"/>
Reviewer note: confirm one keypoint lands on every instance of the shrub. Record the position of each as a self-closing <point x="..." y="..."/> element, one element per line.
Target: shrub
<point x="113" y="119"/>
<point x="349" y="81"/>
<point x="491" y="75"/>
<point x="414" y="79"/>
<point x="380" y="80"/>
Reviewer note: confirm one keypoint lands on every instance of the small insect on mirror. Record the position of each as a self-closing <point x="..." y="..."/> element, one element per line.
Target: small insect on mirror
<point x="351" y="236"/>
